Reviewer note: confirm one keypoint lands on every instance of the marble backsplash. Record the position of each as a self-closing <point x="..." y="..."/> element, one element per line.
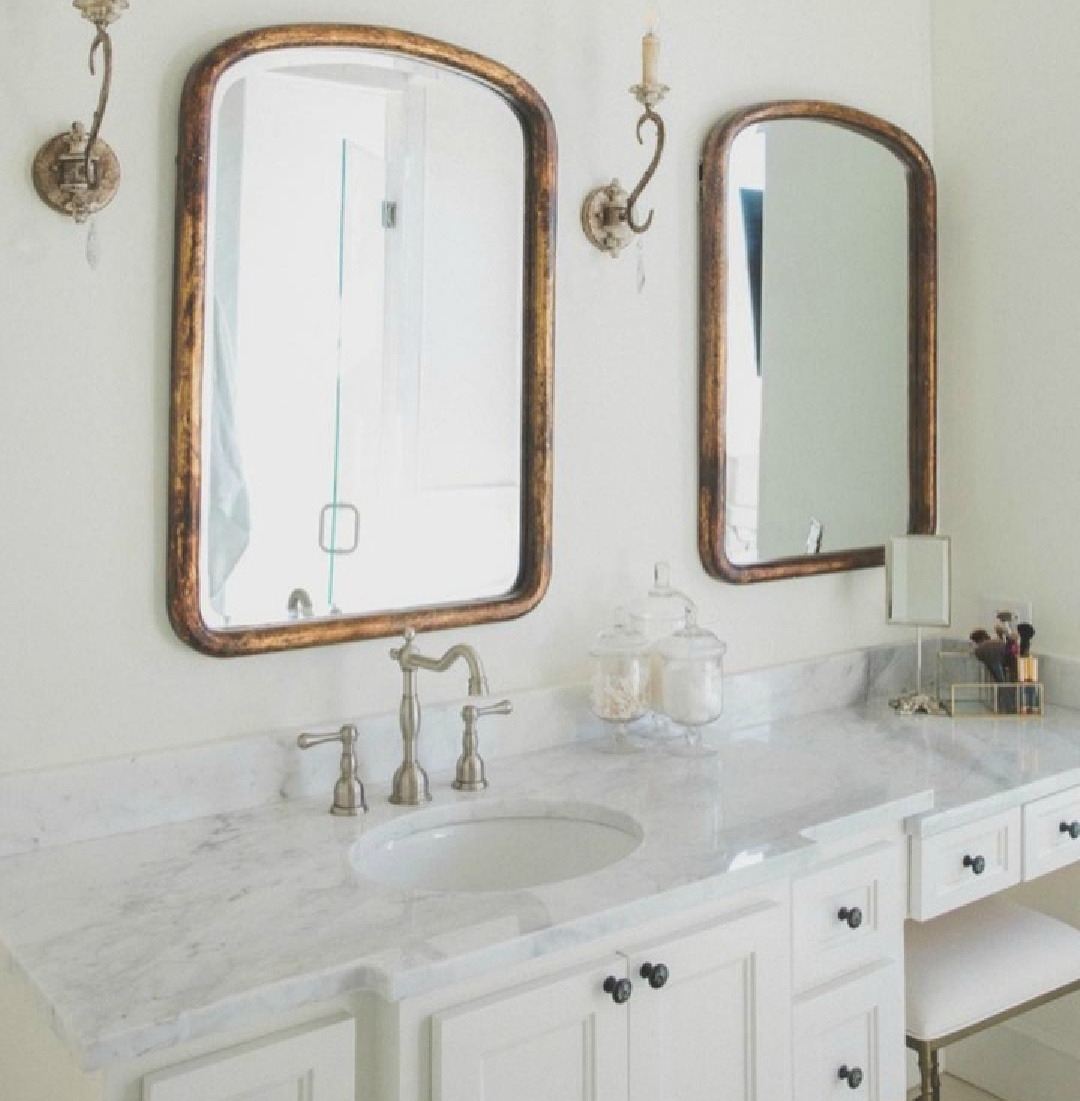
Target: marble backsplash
<point x="97" y="799"/>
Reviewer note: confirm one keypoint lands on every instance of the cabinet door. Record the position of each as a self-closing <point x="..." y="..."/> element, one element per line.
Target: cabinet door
<point x="315" y="1064"/>
<point x="849" y="1041"/>
<point x="561" y="1039"/>
<point x="718" y="1029"/>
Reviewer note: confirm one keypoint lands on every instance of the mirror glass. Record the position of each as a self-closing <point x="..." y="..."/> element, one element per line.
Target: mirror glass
<point x="812" y="294"/>
<point x="917" y="580"/>
<point x="372" y="341"/>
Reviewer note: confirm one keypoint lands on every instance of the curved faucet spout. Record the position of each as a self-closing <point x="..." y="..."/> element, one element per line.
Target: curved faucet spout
<point x="409" y="659"/>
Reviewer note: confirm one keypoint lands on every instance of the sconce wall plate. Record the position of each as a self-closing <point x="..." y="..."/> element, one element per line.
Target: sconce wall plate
<point x="70" y="182"/>
<point x="603" y="218"/>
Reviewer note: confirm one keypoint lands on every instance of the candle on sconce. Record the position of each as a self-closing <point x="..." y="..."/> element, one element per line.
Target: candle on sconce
<point x="650" y="49"/>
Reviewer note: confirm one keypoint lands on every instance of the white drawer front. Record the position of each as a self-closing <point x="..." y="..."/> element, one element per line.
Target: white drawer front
<point x="848" y="915"/>
<point x="1049" y="826"/>
<point x="964" y="864"/>
<point x="849" y="1042"/>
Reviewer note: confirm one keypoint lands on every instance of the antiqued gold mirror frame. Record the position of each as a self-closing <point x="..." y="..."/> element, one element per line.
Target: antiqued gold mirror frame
<point x="922" y="341"/>
<point x="186" y="463"/>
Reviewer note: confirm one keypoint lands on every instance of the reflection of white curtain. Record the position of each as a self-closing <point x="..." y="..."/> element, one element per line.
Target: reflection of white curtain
<point x="229" y="514"/>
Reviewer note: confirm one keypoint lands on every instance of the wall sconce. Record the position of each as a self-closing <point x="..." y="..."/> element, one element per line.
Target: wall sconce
<point x="607" y="215"/>
<point x="76" y="173"/>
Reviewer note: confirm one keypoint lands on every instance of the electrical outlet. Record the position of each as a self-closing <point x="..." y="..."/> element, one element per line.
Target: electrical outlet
<point x="991" y="605"/>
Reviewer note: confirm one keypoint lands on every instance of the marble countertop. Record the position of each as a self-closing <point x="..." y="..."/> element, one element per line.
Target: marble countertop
<point x="141" y="941"/>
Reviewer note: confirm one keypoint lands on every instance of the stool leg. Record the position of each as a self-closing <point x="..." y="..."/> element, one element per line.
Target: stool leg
<point x="927" y="1070"/>
<point x="935" y="1079"/>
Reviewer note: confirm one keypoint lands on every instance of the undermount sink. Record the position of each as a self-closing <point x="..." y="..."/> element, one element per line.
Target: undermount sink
<point x="501" y="846"/>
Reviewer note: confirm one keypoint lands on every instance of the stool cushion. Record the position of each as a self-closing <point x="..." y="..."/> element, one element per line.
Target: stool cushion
<point x="983" y="959"/>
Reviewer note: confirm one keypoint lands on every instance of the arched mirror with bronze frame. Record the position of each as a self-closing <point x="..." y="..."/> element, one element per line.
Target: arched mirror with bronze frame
<point x="818" y="333"/>
<point x="360" y="435"/>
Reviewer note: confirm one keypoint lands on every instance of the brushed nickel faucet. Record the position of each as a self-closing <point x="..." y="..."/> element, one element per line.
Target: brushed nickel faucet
<point x="410" y="784"/>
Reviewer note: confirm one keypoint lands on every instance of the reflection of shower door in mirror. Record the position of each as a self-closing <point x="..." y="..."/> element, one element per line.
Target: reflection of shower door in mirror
<point x="309" y="329"/>
<point x="364" y="268"/>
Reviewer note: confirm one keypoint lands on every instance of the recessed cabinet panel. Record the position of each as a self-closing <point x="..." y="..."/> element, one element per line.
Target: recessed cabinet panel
<point x="850" y="1040"/>
<point x="560" y="1039"/>
<point x="717" y="1028"/>
<point x="312" y="1065"/>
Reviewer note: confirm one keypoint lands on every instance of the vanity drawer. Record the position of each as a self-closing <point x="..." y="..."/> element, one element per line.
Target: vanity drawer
<point x="847" y="915"/>
<point x="849" y="1041"/>
<point x="1051" y="833"/>
<point x="964" y="864"/>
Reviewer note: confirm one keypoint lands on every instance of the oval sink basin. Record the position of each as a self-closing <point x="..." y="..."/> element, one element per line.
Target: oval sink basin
<point x="495" y="846"/>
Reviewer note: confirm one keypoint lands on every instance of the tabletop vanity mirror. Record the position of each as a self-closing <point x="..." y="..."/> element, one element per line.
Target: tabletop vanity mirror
<point x="362" y="346"/>
<point x="817" y="375"/>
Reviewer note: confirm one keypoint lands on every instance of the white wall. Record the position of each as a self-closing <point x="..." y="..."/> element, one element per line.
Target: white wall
<point x="1006" y="115"/>
<point x="88" y="664"/>
<point x="1007" y="104"/>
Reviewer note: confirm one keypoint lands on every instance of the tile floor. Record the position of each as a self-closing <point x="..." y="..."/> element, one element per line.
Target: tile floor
<point x="952" y="1089"/>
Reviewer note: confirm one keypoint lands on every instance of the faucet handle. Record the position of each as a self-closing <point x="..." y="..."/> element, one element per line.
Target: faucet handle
<point x="470" y="766"/>
<point x="348" y="790"/>
<point x="503" y="707"/>
<point x="396" y="654"/>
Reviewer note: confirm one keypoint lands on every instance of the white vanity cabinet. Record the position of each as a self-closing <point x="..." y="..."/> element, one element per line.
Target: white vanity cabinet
<point x="848" y="978"/>
<point x="309" y="1064"/>
<point x="712" y="1025"/>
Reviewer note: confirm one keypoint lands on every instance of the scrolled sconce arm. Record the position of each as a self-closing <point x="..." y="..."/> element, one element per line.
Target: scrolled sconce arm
<point x="103" y="42"/>
<point x="608" y="214"/>
<point x="658" y="123"/>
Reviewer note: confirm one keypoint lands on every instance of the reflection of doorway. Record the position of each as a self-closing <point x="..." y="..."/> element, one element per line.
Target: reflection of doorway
<point x="753" y="213"/>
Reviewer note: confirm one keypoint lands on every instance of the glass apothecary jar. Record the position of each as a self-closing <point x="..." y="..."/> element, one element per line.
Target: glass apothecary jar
<point x="690" y="691"/>
<point x="658" y="616"/>
<point x="620" y="679"/>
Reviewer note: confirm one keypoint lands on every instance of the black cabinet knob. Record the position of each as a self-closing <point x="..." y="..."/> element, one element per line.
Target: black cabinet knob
<point x="1071" y="828"/>
<point x="853" y="1075"/>
<point x="656" y="973"/>
<point x="619" y="989"/>
<point x="852" y="915"/>
<point x="976" y="863"/>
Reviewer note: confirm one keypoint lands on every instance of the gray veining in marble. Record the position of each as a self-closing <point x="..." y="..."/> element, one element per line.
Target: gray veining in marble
<point x="142" y="941"/>
<point x="61" y="805"/>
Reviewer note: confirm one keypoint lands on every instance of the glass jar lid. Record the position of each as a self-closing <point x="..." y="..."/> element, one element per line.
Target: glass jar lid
<point x="692" y="642"/>
<point x="664" y="609"/>
<point x="621" y="638"/>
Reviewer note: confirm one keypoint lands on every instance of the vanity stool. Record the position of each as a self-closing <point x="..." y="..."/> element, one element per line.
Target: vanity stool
<point x="978" y="966"/>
